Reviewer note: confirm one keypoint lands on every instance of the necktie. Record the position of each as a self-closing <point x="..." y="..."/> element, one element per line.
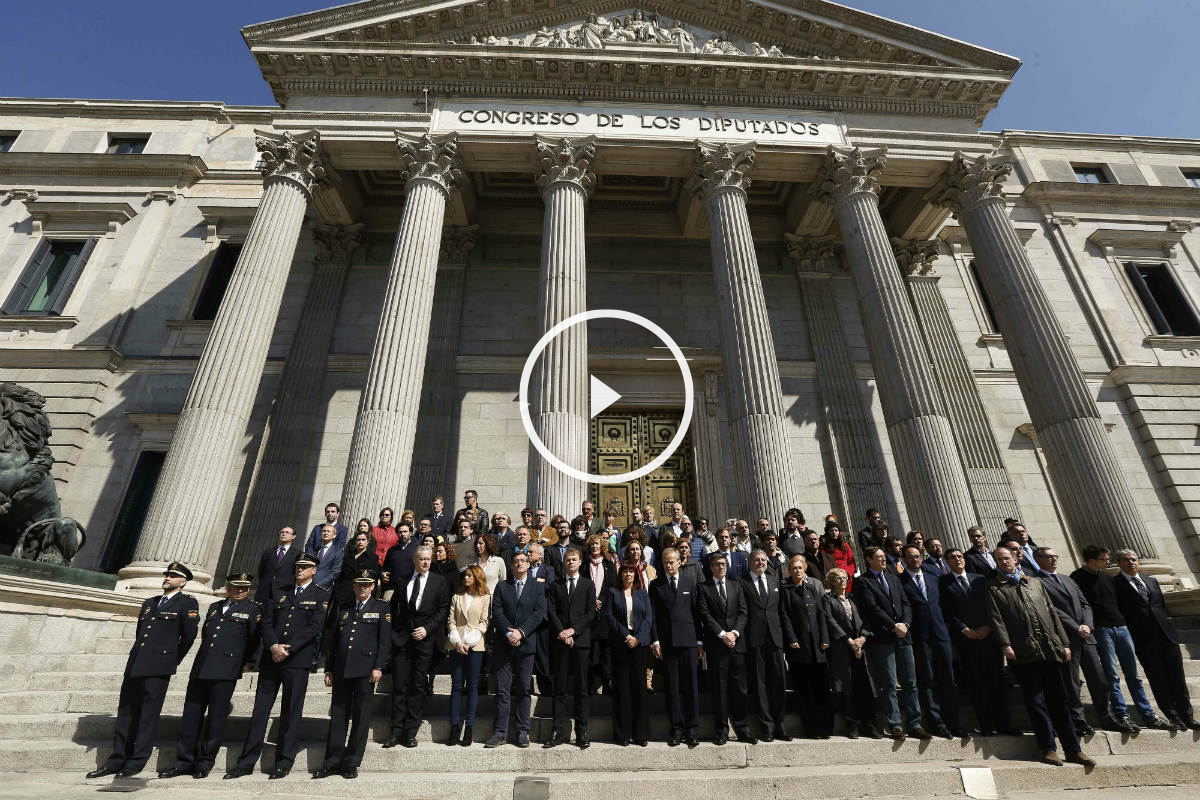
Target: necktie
<point x="162" y="600"/>
<point x="1141" y="587"/>
<point x="991" y="561"/>
<point x="762" y="588"/>
<point x="921" y="584"/>
<point x="721" y="592"/>
<point x="299" y="589"/>
<point x="228" y="605"/>
<point x="520" y="588"/>
<point x="279" y="553"/>
<point x="570" y="588"/>
<point x="416" y="590"/>
<point x="1058" y="580"/>
<point x="358" y="611"/>
<point x="674" y="587"/>
<point x="966" y="585"/>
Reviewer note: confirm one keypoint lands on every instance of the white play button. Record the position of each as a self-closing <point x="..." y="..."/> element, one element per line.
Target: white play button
<point x="602" y="396"/>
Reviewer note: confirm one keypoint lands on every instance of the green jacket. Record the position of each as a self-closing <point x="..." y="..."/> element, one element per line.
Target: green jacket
<point x="1023" y="618"/>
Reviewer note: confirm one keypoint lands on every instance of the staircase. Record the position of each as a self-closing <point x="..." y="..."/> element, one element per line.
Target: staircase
<point x="61" y="677"/>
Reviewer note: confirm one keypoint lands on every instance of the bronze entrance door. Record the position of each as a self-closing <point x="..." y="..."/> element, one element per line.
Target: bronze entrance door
<point x="623" y="441"/>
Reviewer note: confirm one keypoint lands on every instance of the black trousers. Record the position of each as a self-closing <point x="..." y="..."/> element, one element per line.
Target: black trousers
<point x="1086" y="658"/>
<point x="206" y="708"/>
<point x="410" y="667"/>
<point x="350" y="708"/>
<point x="681" y="674"/>
<point x="294" y="683"/>
<point x="137" y="718"/>
<point x="1164" y="669"/>
<point x="983" y="672"/>
<point x="728" y="680"/>
<point x="935" y="681"/>
<point x="1044" y="687"/>
<point x="571" y="688"/>
<point x="631" y="712"/>
<point x="856" y="701"/>
<point x="810" y="687"/>
<point x="766" y="676"/>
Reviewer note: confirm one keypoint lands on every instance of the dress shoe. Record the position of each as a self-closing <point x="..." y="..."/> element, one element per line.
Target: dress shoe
<point x="129" y="772"/>
<point x="1130" y="725"/>
<point x="495" y="741"/>
<point x="390" y="743"/>
<point x="350" y="774"/>
<point x="784" y="736"/>
<point x="410" y="742"/>
<point x="767" y="737"/>
<point x="1051" y="757"/>
<point x="237" y="772"/>
<point x="174" y="772"/>
<point x="582" y="742"/>
<point x="280" y="772"/>
<point x="1192" y="723"/>
<point x="201" y="773"/>
<point x="674" y="741"/>
<point x="321" y="774"/>
<point x="1084" y="730"/>
<point x="920" y="733"/>
<point x="455" y="734"/>
<point x="522" y="740"/>
<point x="720" y="739"/>
<point x="747" y="737"/>
<point x="468" y="735"/>
<point x="692" y="742"/>
<point x="623" y="743"/>
<point x="942" y="731"/>
<point x="641" y="742"/>
<point x="103" y="772"/>
<point x="897" y="733"/>
<point x="1158" y="724"/>
<point x="555" y="740"/>
<point x="1081" y="758"/>
<point x="870" y="731"/>
<point x="852" y="731"/>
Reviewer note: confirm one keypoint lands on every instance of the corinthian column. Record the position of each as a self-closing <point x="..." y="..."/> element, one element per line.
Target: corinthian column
<point x="1085" y="470"/>
<point x="761" y="457"/>
<point x="187" y="519"/>
<point x="931" y="474"/>
<point x="290" y="430"/>
<point x="559" y="384"/>
<point x="381" y="450"/>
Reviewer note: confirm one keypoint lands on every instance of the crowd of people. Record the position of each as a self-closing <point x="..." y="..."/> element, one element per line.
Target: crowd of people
<point x="870" y="636"/>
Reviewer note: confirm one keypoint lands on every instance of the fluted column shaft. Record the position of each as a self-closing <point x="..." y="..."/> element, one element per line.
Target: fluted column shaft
<point x="559" y="384"/>
<point x="187" y="517"/>
<point x="1096" y="499"/>
<point x="290" y="430"/>
<point x="931" y="476"/>
<point x="381" y="448"/>
<point x="761" y="456"/>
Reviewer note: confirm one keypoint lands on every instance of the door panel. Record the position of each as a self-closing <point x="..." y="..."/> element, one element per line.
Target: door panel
<point x="625" y="440"/>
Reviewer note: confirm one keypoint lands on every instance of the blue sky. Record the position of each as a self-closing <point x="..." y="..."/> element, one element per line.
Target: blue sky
<point x="1096" y="66"/>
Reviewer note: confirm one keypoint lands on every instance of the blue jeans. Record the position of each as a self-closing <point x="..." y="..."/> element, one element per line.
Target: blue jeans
<point x="890" y="661"/>
<point x="464" y="682"/>
<point x="1116" y="645"/>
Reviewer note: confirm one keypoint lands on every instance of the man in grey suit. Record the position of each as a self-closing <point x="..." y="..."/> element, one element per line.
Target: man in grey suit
<point x="518" y="610"/>
<point x="1076" y="614"/>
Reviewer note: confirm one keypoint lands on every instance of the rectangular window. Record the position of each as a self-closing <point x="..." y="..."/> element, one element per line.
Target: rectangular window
<point x="1192" y="176"/>
<point x="1165" y="303"/>
<point x="127" y="144"/>
<point x="1090" y="174"/>
<point x="7" y="140"/>
<point x="983" y="299"/>
<point x="128" y="527"/>
<point x="50" y="276"/>
<point x="220" y="271"/>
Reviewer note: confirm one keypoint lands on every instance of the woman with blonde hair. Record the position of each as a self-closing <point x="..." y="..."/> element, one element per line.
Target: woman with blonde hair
<point x="470" y="614"/>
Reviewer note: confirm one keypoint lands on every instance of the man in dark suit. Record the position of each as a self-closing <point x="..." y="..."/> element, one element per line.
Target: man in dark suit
<point x="555" y="553"/>
<point x="1155" y="639"/>
<point x="723" y="614"/>
<point x="571" y="612"/>
<point x="313" y="545"/>
<point x="329" y="557"/>
<point x="228" y="645"/>
<point x="933" y="652"/>
<point x="398" y="561"/>
<point x="886" y="611"/>
<point x="935" y="557"/>
<point x="675" y="639"/>
<point x="291" y="631"/>
<point x="979" y="557"/>
<point x="166" y="628"/>
<point x="767" y="630"/>
<point x="805" y="649"/>
<point x="963" y="599"/>
<point x="791" y="538"/>
<point x="737" y="566"/>
<point x="420" y="608"/>
<point x="545" y="575"/>
<point x="1076" y="614"/>
<point x="539" y="570"/>
<point x="518" y="609"/>
<point x="277" y="566"/>
<point x="353" y="669"/>
<point x="439" y="519"/>
<point x="874" y="532"/>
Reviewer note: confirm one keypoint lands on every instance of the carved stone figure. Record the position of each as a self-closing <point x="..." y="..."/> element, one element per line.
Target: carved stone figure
<point x="31" y="521"/>
<point x="592" y="32"/>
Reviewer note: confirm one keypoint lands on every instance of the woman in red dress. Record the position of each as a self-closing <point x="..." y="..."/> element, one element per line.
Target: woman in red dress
<point x="384" y="533"/>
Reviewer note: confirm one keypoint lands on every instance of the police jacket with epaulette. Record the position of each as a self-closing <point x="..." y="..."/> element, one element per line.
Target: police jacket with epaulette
<point x="165" y="632"/>
<point x="229" y="640"/>
<point x="362" y="640"/>
<point x="294" y="618"/>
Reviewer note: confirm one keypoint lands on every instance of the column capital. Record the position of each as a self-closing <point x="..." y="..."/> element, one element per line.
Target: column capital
<point x="457" y="243"/>
<point x="336" y="243"/>
<point x="431" y="159"/>
<point x="971" y="181"/>
<point x="848" y="171"/>
<point x="721" y="166"/>
<point x="814" y="254"/>
<point x="915" y="257"/>
<point x="566" y="161"/>
<point x="294" y="157"/>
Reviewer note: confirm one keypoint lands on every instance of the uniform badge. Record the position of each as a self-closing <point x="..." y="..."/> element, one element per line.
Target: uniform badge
<point x="240" y="615"/>
<point x="345" y="615"/>
<point x="283" y="599"/>
<point x="194" y="614"/>
<point x="387" y="617"/>
<point x="324" y="606"/>
<point x="371" y="615"/>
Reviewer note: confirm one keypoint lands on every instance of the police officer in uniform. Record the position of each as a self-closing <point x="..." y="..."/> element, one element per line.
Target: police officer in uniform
<point x="166" y="629"/>
<point x="228" y="643"/>
<point x="357" y="649"/>
<point x="291" y="630"/>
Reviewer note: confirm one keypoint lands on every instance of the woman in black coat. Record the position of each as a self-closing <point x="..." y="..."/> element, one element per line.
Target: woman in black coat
<point x="629" y="620"/>
<point x="802" y="602"/>
<point x="359" y="556"/>
<point x="853" y="695"/>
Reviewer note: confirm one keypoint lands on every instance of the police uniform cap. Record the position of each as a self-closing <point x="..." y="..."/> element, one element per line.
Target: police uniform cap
<point x="366" y="576"/>
<point x="307" y="560"/>
<point x="239" y="579"/>
<point x="178" y="570"/>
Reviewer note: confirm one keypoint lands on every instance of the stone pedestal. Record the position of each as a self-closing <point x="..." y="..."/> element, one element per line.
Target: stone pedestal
<point x="927" y="460"/>
<point x="761" y="456"/>
<point x="1086" y="472"/>
<point x="381" y="449"/>
<point x="558" y="387"/>
<point x="188" y="514"/>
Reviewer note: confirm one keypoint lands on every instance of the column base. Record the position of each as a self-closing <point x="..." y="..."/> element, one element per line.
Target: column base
<point x="145" y="578"/>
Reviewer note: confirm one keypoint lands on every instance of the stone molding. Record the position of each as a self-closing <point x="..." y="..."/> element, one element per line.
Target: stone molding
<point x="815" y="254"/>
<point x="848" y="171"/>
<point x="971" y="181"/>
<point x="915" y="257"/>
<point x="336" y="243"/>
<point x="1108" y="195"/>
<point x="1111" y="240"/>
<point x="166" y="194"/>
<point x="721" y="166"/>
<point x="79" y="217"/>
<point x="431" y="159"/>
<point x="24" y="195"/>
<point x="566" y="161"/>
<point x="172" y="168"/>
<point x="457" y="243"/>
<point x="294" y="157"/>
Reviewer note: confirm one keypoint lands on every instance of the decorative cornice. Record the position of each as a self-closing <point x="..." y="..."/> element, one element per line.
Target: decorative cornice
<point x="295" y="157"/>
<point x="24" y="195"/>
<point x="1099" y="195"/>
<point x="915" y="257"/>
<point x="336" y="243"/>
<point x="457" y="243"/>
<point x="1110" y="240"/>
<point x="95" y="218"/>
<point x="814" y="254"/>
<point x="721" y="166"/>
<point x="566" y="161"/>
<point x="848" y="171"/>
<point x="971" y="181"/>
<point x="177" y="169"/>
<point x="431" y="159"/>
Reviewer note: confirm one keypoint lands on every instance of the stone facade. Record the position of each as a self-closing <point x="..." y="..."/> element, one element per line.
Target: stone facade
<point x="118" y="363"/>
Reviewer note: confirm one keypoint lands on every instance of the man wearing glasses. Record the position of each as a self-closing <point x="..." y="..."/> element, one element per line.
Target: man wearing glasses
<point x="483" y="522"/>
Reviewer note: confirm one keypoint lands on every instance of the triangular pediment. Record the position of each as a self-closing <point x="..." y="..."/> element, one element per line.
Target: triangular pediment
<point x="805" y="29"/>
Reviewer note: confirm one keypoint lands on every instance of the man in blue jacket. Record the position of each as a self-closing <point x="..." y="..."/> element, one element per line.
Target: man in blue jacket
<point x="332" y="512"/>
<point x="932" y="649"/>
<point x="518" y="609"/>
